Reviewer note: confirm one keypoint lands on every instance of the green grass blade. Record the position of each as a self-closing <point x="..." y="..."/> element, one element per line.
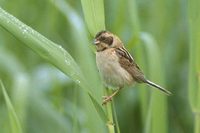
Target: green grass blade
<point x="85" y="58"/>
<point x="20" y="83"/>
<point x="135" y="24"/>
<point x="197" y="123"/>
<point x="194" y="19"/>
<point x="82" y="45"/>
<point x="194" y="65"/>
<point x="133" y="12"/>
<point x="14" y="120"/>
<point x="100" y="111"/>
<point x="47" y="49"/>
<point x="94" y="15"/>
<point x="115" y="118"/>
<point x="158" y="103"/>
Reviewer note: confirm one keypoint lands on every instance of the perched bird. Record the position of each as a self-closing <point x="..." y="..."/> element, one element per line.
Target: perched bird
<point x="116" y="66"/>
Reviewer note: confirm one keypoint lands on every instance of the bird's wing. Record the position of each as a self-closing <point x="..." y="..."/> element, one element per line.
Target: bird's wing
<point x="127" y="62"/>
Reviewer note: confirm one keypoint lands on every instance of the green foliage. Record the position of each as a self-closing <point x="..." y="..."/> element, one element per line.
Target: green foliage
<point x="45" y="100"/>
<point x="94" y="15"/>
<point x="158" y="104"/>
<point x="14" y="120"/>
<point x="49" y="51"/>
<point x="194" y="73"/>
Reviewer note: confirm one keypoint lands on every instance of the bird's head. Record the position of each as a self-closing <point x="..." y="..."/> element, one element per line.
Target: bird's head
<point x="105" y="39"/>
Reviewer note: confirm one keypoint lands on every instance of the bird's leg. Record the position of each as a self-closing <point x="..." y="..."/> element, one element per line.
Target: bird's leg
<point x="109" y="98"/>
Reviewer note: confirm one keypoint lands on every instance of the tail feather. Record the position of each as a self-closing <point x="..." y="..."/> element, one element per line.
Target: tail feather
<point x="158" y="87"/>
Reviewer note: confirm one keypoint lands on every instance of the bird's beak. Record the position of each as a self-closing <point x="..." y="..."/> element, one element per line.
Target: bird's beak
<point x="96" y="41"/>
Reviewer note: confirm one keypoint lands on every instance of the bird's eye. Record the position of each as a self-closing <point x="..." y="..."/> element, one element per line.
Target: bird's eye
<point x="108" y="40"/>
<point x="102" y="38"/>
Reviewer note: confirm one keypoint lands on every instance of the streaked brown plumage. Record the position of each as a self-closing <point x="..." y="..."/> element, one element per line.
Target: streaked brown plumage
<point x="116" y="65"/>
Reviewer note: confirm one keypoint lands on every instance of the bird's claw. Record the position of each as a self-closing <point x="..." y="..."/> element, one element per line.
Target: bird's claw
<point x="106" y="99"/>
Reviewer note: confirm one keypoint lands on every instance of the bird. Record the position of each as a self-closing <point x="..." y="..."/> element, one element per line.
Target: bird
<point x="116" y="65"/>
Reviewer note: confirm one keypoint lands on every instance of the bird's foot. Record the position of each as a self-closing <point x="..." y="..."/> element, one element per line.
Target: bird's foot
<point x="106" y="99"/>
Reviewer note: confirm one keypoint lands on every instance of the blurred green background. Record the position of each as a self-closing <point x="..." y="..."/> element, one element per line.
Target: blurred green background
<point x="156" y="32"/>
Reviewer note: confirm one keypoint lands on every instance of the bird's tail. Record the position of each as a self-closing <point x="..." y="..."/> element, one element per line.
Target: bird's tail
<point x="158" y="87"/>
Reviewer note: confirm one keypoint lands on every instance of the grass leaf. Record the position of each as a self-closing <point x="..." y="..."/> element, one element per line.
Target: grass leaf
<point x="158" y="103"/>
<point x="94" y="15"/>
<point x="47" y="49"/>
<point x="194" y="64"/>
<point x="14" y="120"/>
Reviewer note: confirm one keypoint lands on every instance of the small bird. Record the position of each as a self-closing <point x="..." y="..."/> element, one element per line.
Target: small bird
<point x="116" y="66"/>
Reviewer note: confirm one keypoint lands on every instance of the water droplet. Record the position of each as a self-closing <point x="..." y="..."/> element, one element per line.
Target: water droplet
<point x="32" y="31"/>
<point x="67" y="62"/>
<point x="24" y="31"/>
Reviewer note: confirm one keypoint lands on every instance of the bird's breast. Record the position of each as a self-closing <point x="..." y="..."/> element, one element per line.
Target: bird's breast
<point x="110" y="69"/>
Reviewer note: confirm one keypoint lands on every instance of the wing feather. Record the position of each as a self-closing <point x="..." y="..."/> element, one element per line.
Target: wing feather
<point x="127" y="62"/>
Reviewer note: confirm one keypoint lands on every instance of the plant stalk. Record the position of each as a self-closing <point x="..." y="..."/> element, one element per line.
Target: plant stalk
<point x="110" y="123"/>
<point x="197" y="122"/>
